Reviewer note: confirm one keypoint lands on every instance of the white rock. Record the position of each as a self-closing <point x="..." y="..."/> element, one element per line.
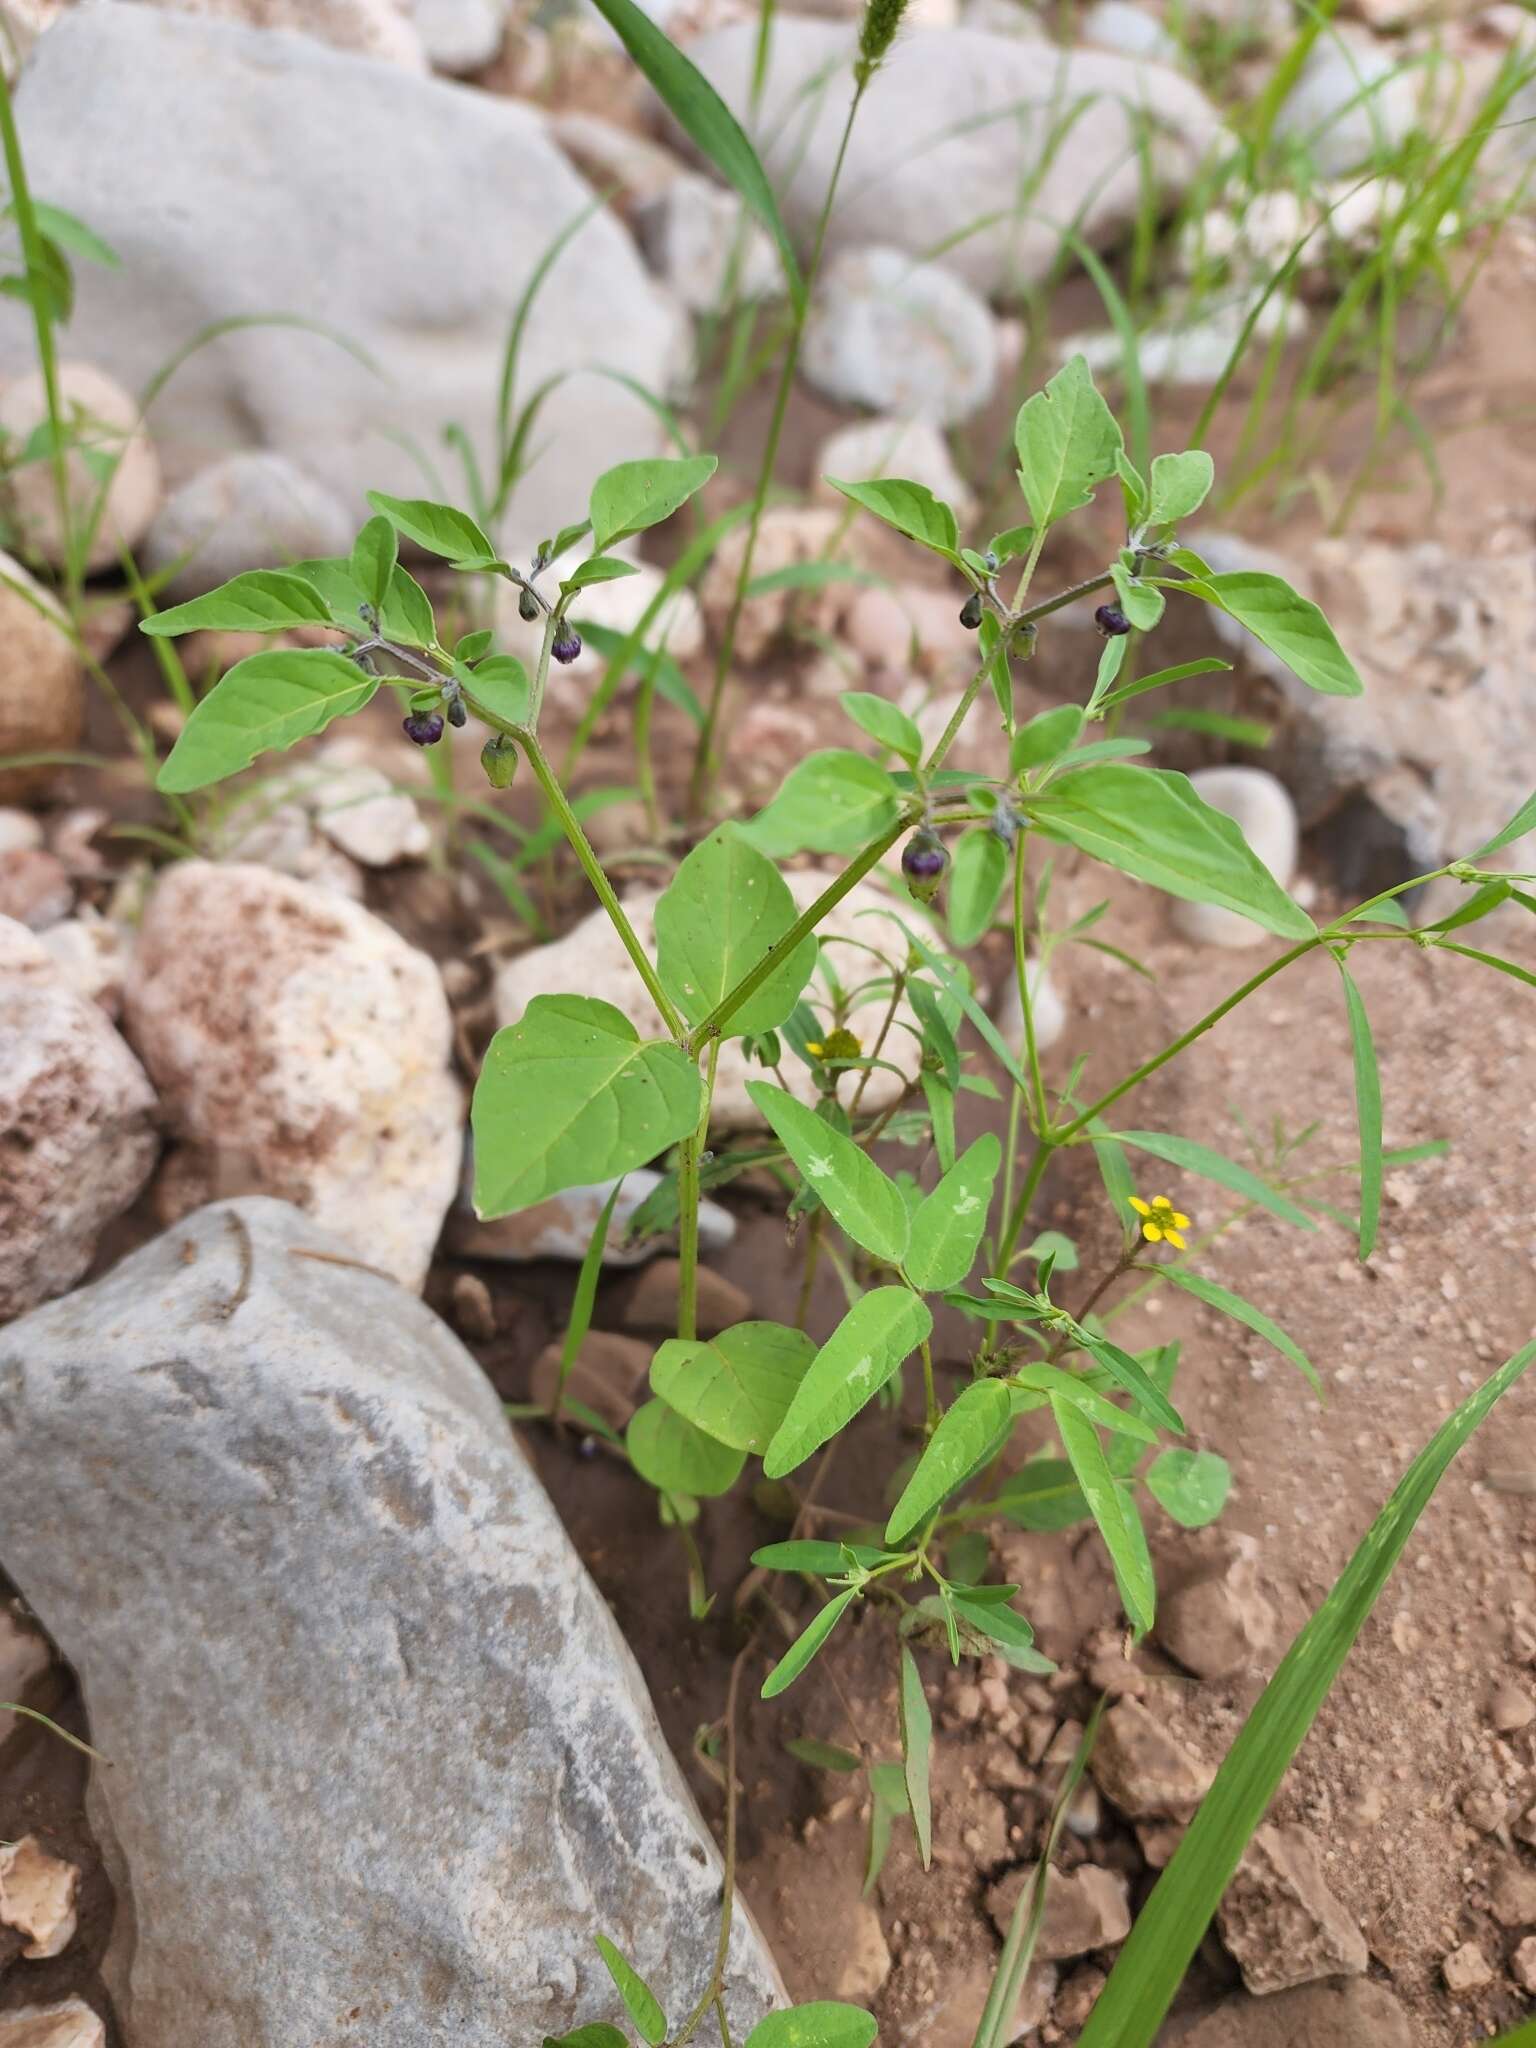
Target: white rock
<point x="20" y="832"/>
<point x="342" y="164"/>
<point x="21" y="23"/>
<point x="909" y="448"/>
<point x="299" y="1042"/>
<point x="591" y="961"/>
<point x="251" y="511"/>
<point x="91" y="955"/>
<point x="363" y="28"/>
<point x="42" y="681"/>
<point x="788" y="536"/>
<point x="1197" y="352"/>
<point x="459" y="35"/>
<point x="620" y="605"/>
<point x="633" y="167"/>
<point x="957" y="121"/>
<point x="910" y="625"/>
<point x="1050" y="1012"/>
<point x="70" y="2024"/>
<point x="705" y="245"/>
<point x="900" y="336"/>
<point x="103" y="425"/>
<point x="37" y="1897"/>
<point x="562" y="1227"/>
<point x="1266" y="817"/>
<point x="1130" y="30"/>
<point x="359" y="809"/>
<point x="1325" y="112"/>
<point x="76" y="1126"/>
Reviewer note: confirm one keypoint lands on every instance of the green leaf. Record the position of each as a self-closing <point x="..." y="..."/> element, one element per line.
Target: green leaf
<point x="1521" y="974"/>
<point x="1067" y="440"/>
<point x="260" y="601"/>
<point x="916" y="1741"/>
<point x="811" y="1554"/>
<point x="71" y="233"/>
<point x="666" y="1449"/>
<point x="470" y="646"/>
<point x="1045" y="1495"/>
<point x="1244" y="1312"/>
<point x="706" y="120"/>
<point x="736" y="1387"/>
<point x="1368" y="1112"/>
<point x="1180" y="485"/>
<point x="1141" y="602"/>
<point x="806" y="1644"/>
<point x="1193" y="1158"/>
<point x="634" y="495"/>
<point x="885" y="723"/>
<point x="1053" y="1245"/>
<point x="1216" y="725"/>
<point x="1048" y="735"/>
<point x="726" y="907"/>
<point x="864" y="1201"/>
<point x="1056" y="1385"/>
<point x="1112" y="1510"/>
<point x="822" y="2025"/>
<point x="1129" y="1373"/>
<point x="976" y="878"/>
<point x="268" y="700"/>
<point x="835" y="801"/>
<point x="881" y="1329"/>
<point x="438" y="528"/>
<point x="1150" y="823"/>
<point x="888" y="1801"/>
<point x="598" y="569"/>
<point x="406" y="614"/>
<point x="596" y="2035"/>
<point x="639" y="2002"/>
<point x="1013" y="542"/>
<point x="1180" y="672"/>
<point x="373" y="559"/>
<point x="946" y="1230"/>
<point x="817" y="575"/>
<point x="965" y="1433"/>
<point x="572" y="1094"/>
<point x="1285" y="622"/>
<point x="822" y="1756"/>
<point x="1169" y="1928"/>
<point x="1522" y="822"/>
<point x="1191" y="1485"/>
<point x="911" y="508"/>
<point x="500" y="686"/>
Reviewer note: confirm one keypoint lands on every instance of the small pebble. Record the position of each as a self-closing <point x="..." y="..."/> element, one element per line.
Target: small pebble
<point x="1510" y="1709"/>
<point x="1466" y="1968"/>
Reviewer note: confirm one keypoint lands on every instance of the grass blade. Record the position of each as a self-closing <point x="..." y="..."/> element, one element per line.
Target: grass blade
<point x="584" y="1297"/>
<point x="1368" y="1108"/>
<point x="1150" y="1966"/>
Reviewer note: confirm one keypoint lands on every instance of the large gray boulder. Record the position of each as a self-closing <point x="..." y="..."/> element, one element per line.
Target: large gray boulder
<point x="242" y="172"/>
<point x="382" y="1762"/>
<point x="959" y="126"/>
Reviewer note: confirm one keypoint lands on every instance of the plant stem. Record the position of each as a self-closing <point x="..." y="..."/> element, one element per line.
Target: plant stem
<point x="688" y="1208"/>
<point x="715" y="1988"/>
<point x="930" y="1396"/>
<point x="704" y="753"/>
<point x="1019" y="1214"/>
<point x="1026" y="1000"/>
<point x="541" y="670"/>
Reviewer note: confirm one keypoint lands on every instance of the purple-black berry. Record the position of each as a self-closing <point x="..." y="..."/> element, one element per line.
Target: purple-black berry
<point x="457" y="715"/>
<point x="527" y="606"/>
<point x="1111" y="621"/>
<point x="424" y="727"/>
<point x="970" y="612"/>
<point x="923" y="862"/>
<point x="567" y="644"/>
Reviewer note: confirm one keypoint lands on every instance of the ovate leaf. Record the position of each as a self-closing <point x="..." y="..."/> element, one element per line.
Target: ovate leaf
<point x="1285" y="622"/>
<point x="1149" y="822"/>
<point x="1043" y="1495"/>
<point x="947" y="1226"/>
<point x="260" y="601"/>
<point x="965" y="1433"/>
<point x="911" y="508"/>
<point x="821" y="2025"/>
<point x="976" y="877"/>
<point x="726" y="907"/>
<point x="598" y="569"/>
<point x="864" y="1201"/>
<point x="597" y="2035"/>
<point x="916" y="1741"/>
<point x="884" y="722"/>
<point x="1047" y="735"/>
<point x="835" y="801"/>
<point x="736" y="1387"/>
<point x="440" y="529"/>
<point x="665" y="1448"/>
<point x="268" y="700"/>
<point x="1192" y="1485"/>
<point x="635" y="495"/>
<point x="881" y="1329"/>
<point x="639" y="2001"/>
<point x="1067" y="440"/>
<point x="572" y="1094"/>
<point x="373" y="559"/>
<point x="1180" y="486"/>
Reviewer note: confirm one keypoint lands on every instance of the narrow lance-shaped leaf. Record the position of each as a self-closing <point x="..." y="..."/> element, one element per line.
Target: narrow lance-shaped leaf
<point x="373" y="559"/>
<point x="1112" y="1510"/>
<point x="1192" y="1157"/>
<point x="1368" y="1111"/>
<point x="881" y="1329"/>
<point x="1522" y="822"/>
<point x="1244" y="1312"/>
<point x="976" y="877"/>
<point x="862" y="1199"/>
<point x="806" y="1644"/>
<point x="916" y="1741"/>
<point x="1151" y="1966"/>
<point x="1133" y="1376"/>
<point x="639" y="2000"/>
<point x="966" y="1431"/>
<point x="947" y="1226"/>
<point x="267" y="701"/>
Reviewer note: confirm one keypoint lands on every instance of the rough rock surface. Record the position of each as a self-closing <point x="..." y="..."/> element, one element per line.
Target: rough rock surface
<point x="924" y="147"/>
<point x="301" y="1048"/>
<point x="42" y="684"/>
<point x="1143" y="1767"/>
<point x="706" y="246"/>
<point x="1085" y="1909"/>
<point x="24" y="1667"/>
<point x="590" y="961"/>
<point x="104" y="423"/>
<point x="37" y="1897"/>
<point x="459" y="35"/>
<point x="77" y="1136"/>
<point x="70" y="2024"/>
<point x="1350" y="2013"/>
<point x="249" y="511"/>
<point x="1281" y="1921"/>
<point x="303" y="173"/>
<point x="430" y="1755"/>
<point x="899" y="336"/>
<point x="363" y="28"/>
<point x="1217" y="1626"/>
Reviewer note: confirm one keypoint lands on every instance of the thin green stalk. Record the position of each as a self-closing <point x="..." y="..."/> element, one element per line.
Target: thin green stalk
<point x="1026" y="999"/>
<point x="688" y="1207"/>
<point x="1020" y="1211"/>
<point x="703" y="759"/>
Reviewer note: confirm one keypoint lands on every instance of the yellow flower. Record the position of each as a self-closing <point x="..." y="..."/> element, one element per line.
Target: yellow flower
<point x="840" y="1044"/>
<point x="1162" y="1223"/>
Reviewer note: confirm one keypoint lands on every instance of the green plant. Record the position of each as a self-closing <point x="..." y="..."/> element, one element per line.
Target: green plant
<point x="575" y="1093"/>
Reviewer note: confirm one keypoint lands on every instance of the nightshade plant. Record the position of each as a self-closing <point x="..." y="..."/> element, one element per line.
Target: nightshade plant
<point x="574" y="1093"/>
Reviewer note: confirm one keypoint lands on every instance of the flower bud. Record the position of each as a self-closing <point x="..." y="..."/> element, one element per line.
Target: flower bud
<point x="527" y="606"/>
<point x="1111" y="621"/>
<point x="498" y="757"/>
<point x="424" y="727"/>
<point x="923" y="862"/>
<point x="567" y="644"/>
<point x="458" y="717"/>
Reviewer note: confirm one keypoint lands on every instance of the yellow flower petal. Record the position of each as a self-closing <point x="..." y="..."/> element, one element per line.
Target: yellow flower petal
<point x="1176" y="1239"/>
<point x="813" y="1048"/>
<point x="1151" y="1233"/>
<point x="1180" y="1220"/>
<point x="1161" y="1202"/>
<point x="1140" y="1206"/>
